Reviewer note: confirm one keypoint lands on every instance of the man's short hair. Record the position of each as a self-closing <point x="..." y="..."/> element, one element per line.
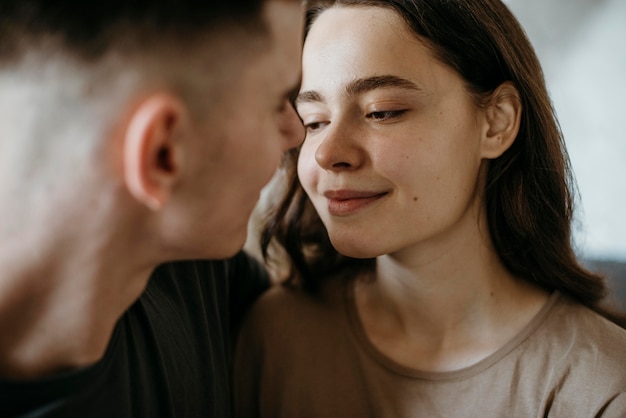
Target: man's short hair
<point x="90" y="29"/>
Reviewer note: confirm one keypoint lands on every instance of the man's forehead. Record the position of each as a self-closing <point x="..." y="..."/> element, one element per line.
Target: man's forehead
<point x="286" y="22"/>
<point x="285" y="19"/>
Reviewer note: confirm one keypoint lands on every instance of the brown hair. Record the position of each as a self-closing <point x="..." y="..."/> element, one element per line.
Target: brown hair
<point x="530" y="188"/>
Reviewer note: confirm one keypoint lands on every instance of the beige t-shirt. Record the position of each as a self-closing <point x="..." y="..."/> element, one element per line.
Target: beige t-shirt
<point x="299" y="356"/>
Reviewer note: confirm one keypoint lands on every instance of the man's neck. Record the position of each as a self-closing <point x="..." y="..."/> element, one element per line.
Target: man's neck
<point x="58" y="313"/>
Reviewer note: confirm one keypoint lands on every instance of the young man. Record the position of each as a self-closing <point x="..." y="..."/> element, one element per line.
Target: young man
<point x="134" y="133"/>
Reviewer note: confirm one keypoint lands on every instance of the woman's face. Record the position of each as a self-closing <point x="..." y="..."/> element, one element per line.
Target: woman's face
<point x="392" y="159"/>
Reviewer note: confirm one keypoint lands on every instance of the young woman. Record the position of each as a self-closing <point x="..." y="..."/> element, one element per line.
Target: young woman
<point x="441" y="281"/>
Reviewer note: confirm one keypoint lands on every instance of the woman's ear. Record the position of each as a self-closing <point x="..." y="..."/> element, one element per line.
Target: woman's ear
<point x="151" y="153"/>
<point x="503" y="115"/>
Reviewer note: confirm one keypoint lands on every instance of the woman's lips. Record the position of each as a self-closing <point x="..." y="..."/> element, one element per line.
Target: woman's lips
<point x="348" y="202"/>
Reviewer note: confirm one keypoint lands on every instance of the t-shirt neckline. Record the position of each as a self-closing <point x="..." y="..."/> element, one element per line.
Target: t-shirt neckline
<point x="356" y="327"/>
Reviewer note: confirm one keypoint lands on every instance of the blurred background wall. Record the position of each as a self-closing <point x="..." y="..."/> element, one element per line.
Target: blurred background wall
<point x="582" y="46"/>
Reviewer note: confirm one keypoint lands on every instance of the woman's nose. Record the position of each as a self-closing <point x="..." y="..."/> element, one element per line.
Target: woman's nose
<point x="338" y="149"/>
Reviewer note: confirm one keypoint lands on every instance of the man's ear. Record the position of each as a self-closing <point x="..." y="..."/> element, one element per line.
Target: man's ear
<point x="503" y="115"/>
<point x="151" y="153"/>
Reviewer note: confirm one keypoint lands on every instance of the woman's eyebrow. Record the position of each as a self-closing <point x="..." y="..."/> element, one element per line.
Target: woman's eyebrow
<point x="308" y="97"/>
<point x="362" y="85"/>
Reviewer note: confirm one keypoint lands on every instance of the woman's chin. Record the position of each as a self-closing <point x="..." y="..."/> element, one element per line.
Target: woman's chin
<point x="355" y="250"/>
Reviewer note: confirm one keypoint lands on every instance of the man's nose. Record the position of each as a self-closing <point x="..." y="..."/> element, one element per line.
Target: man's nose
<point x="291" y="128"/>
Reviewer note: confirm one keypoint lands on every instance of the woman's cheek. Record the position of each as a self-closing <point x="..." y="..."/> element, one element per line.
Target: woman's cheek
<point x="307" y="168"/>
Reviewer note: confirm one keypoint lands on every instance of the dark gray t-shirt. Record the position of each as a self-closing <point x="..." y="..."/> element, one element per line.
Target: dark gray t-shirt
<point x="170" y="354"/>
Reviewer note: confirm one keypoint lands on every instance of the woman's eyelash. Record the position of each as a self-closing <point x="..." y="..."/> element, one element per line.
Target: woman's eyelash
<point x="385" y="114"/>
<point x="313" y="126"/>
<point x="381" y="115"/>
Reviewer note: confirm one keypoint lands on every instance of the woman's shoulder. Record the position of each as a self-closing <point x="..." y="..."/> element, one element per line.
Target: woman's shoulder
<point x="586" y="324"/>
<point x="581" y="356"/>
<point x="280" y="300"/>
<point x="285" y="306"/>
<point x="586" y="338"/>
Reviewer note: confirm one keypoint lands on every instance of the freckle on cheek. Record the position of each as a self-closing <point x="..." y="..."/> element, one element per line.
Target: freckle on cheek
<point x="415" y="199"/>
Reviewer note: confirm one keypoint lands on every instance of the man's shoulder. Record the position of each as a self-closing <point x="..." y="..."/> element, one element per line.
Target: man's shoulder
<point x="241" y="265"/>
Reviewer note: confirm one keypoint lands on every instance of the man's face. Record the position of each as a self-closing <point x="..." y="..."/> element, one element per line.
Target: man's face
<point x="242" y="139"/>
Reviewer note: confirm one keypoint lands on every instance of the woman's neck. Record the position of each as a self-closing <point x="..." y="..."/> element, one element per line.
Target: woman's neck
<point x="447" y="313"/>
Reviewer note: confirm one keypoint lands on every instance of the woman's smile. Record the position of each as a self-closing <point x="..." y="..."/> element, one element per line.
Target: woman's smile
<point x="349" y="202"/>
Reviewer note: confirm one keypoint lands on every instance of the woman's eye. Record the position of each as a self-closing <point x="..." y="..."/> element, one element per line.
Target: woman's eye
<point x="385" y="114"/>
<point x="314" y="126"/>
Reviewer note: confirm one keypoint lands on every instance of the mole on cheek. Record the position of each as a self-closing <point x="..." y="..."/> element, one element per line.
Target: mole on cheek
<point x="415" y="198"/>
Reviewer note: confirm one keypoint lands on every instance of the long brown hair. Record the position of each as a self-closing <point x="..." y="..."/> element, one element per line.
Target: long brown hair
<point x="530" y="188"/>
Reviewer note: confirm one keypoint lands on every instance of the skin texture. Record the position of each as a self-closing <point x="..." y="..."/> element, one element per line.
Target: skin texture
<point x="394" y="162"/>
